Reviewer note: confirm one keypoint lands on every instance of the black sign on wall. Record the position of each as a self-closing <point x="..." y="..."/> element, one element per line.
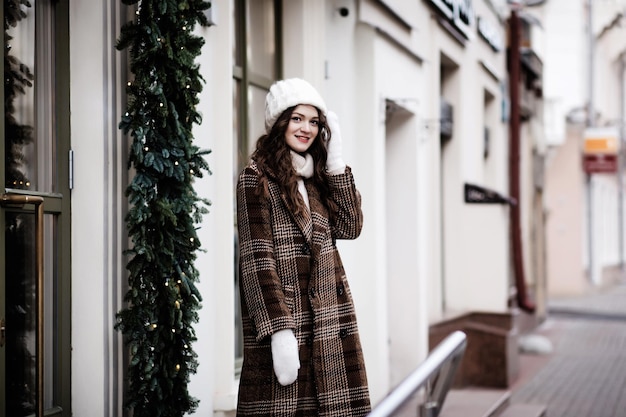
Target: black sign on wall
<point x="459" y="12"/>
<point x="477" y="194"/>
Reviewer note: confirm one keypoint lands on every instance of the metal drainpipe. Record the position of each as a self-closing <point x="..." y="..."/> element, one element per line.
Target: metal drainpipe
<point x="591" y="121"/>
<point x="514" y="165"/>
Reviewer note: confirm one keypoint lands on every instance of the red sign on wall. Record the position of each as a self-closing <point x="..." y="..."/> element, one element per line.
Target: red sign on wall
<point x="599" y="163"/>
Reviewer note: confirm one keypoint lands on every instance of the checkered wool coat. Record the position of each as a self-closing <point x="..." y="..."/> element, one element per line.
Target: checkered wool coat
<point x="291" y="277"/>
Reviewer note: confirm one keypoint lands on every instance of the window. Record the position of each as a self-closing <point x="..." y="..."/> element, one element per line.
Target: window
<point x="256" y="57"/>
<point x="34" y="263"/>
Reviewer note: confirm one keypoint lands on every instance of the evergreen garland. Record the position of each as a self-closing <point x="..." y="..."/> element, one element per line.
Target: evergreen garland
<point x="162" y="296"/>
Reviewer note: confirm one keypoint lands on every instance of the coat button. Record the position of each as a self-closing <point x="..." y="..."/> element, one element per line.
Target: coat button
<point x="340" y="290"/>
<point x="343" y="333"/>
<point x="312" y="292"/>
<point x="305" y="249"/>
<point x="309" y="341"/>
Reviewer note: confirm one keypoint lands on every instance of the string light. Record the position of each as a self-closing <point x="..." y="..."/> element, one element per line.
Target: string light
<point x="146" y="120"/>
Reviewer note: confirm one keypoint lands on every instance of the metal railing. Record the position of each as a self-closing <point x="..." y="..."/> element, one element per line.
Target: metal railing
<point x="434" y="375"/>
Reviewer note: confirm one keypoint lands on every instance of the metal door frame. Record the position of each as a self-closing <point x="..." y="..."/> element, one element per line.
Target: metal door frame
<point x="57" y="204"/>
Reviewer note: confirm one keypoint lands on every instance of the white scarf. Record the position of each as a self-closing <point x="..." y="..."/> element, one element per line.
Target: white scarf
<point x="304" y="168"/>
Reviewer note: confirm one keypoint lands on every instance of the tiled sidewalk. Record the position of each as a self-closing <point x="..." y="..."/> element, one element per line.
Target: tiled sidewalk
<point x="585" y="375"/>
<point x="610" y="301"/>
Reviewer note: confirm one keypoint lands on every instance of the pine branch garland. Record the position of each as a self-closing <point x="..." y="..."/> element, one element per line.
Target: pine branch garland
<point x="162" y="297"/>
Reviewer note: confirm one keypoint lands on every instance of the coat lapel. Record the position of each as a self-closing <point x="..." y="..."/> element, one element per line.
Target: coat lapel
<point x="319" y="219"/>
<point x="303" y="220"/>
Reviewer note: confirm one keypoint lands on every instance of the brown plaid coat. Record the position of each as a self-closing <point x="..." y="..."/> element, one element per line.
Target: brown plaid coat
<point x="291" y="277"/>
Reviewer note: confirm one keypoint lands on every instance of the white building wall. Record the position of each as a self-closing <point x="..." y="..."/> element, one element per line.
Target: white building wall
<point x="604" y="11"/>
<point x="406" y="287"/>
<point x="475" y="236"/>
<point x="88" y="382"/>
<point x="215" y="384"/>
<point x="610" y="51"/>
<point x="371" y="245"/>
<point x="350" y="89"/>
<point x="364" y="68"/>
<point x="98" y="232"/>
<point x="358" y="62"/>
<point x="565" y="67"/>
<point x="97" y="206"/>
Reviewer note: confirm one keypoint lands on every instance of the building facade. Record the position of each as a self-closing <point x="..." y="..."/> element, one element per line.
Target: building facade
<point x="422" y="92"/>
<point x="584" y="95"/>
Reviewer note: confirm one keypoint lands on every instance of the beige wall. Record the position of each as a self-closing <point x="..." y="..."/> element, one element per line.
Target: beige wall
<point x="583" y="249"/>
<point x="565" y="202"/>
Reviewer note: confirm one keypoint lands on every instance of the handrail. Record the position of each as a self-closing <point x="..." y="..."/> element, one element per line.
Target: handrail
<point x="435" y="374"/>
<point x="38" y="201"/>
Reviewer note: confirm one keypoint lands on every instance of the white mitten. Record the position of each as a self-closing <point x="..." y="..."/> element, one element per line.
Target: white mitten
<point x="334" y="161"/>
<point x="285" y="356"/>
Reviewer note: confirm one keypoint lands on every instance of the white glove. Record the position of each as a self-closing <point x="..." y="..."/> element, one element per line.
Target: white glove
<point x="285" y="356"/>
<point x="334" y="161"/>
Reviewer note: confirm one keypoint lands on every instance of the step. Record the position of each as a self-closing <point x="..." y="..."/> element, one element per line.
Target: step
<point x="524" y="410"/>
<point x="475" y="402"/>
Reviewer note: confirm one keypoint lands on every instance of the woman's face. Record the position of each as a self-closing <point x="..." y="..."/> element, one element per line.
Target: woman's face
<point x="303" y="128"/>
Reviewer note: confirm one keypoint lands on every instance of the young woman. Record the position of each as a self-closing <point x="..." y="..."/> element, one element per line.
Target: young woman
<point x="302" y="354"/>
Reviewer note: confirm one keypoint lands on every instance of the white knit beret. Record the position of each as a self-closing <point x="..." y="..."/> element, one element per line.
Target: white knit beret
<point x="287" y="93"/>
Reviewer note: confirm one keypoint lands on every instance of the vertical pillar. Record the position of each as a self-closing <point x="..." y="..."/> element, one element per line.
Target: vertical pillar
<point x="303" y="34"/>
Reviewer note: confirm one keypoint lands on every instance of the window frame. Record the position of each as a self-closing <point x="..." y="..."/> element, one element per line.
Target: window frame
<point x="243" y="80"/>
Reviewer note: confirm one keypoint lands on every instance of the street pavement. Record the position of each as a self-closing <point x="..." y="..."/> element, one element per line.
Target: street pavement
<point x="584" y="375"/>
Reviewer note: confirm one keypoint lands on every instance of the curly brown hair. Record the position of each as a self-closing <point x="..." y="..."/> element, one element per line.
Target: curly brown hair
<point x="273" y="158"/>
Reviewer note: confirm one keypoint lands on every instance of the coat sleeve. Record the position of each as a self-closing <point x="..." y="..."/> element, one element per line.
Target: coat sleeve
<point x="259" y="282"/>
<point x="349" y="219"/>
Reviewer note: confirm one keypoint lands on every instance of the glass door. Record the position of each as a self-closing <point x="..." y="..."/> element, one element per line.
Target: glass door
<point x="34" y="212"/>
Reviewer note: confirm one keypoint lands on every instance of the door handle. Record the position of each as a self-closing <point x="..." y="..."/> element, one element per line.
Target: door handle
<point x="11" y="199"/>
